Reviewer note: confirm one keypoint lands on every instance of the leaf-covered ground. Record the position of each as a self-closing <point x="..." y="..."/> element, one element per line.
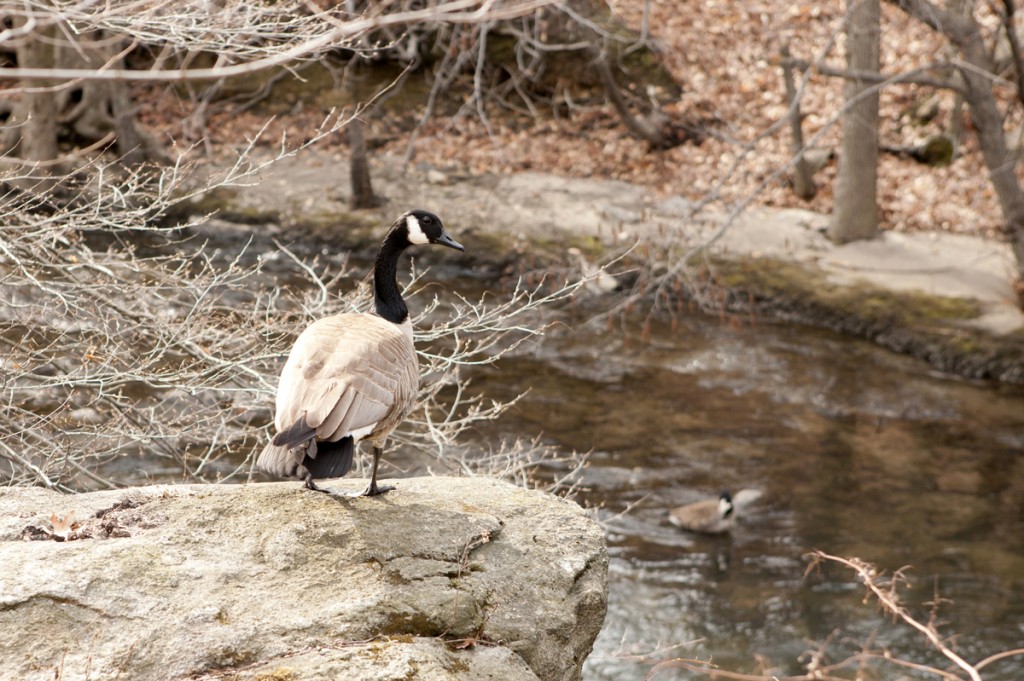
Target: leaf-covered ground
<point x="724" y="54"/>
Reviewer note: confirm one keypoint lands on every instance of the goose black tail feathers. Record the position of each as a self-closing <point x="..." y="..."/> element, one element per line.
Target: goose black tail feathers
<point x="320" y="459"/>
<point x="333" y="459"/>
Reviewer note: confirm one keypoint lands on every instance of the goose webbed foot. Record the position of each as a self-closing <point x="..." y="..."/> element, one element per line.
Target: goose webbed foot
<point x="373" y="489"/>
<point x="313" y="486"/>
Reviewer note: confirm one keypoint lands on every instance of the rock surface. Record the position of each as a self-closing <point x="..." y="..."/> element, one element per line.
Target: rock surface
<point x="443" y="578"/>
<point x="532" y="207"/>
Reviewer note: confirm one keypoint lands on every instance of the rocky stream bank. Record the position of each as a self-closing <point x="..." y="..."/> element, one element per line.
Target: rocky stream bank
<point x="944" y="298"/>
<point x="440" y="579"/>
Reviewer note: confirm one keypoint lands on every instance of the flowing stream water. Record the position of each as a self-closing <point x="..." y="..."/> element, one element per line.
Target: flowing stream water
<point x="858" y="453"/>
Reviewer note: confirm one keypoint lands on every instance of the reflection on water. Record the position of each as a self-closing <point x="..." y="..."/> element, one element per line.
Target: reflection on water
<point x="859" y="453"/>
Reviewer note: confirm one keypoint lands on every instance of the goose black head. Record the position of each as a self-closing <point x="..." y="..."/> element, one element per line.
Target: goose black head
<point x="423" y="227"/>
<point x="725" y="505"/>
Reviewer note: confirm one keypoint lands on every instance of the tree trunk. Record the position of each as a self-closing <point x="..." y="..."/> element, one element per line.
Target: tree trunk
<point x="46" y="111"/>
<point x="964" y="32"/>
<point x="649" y="131"/>
<point x="855" y="215"/>
<point x="803" y="182"/>
<point x="31" y="133"/>
<point x="956" y="115"/>
<point x="106" y="108"/>
<point x="359" y="167"/>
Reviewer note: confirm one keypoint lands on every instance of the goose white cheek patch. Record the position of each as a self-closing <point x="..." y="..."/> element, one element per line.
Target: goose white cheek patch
<point x="416" y="234"/>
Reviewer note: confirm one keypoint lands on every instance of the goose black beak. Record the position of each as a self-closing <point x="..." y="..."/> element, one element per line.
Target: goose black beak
<point x="446" y="240"/>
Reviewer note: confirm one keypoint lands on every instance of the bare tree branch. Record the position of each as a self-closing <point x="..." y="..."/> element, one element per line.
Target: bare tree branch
<point x="888" y="597"/>
<point x="263" y="34"/>
<point x="912" y="77"/>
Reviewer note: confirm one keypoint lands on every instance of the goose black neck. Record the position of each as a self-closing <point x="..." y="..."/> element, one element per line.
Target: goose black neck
<point x="387" y="297"/>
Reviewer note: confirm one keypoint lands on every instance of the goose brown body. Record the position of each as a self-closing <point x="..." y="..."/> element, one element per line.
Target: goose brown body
<point x="346" y="374"/>
<point x="351" y="376"/>
<point x="708" y="516"/>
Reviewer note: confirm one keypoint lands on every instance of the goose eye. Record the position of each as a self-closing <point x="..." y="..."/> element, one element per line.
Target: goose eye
<point x="427" y="219"/>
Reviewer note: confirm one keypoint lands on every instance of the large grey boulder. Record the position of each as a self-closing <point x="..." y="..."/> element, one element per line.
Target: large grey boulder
<point x="443" y="578"/>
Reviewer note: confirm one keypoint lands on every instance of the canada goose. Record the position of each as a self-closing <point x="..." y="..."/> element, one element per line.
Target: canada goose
<point x="714" y="516"/>
<point x="352" y="375"/>
<point x="708" y="516"/>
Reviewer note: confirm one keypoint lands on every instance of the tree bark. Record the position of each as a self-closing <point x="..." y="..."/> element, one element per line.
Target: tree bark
<point x="855" y="214"/>
<point x="963" y="31"/>
<point x="33" y="133"/>
<point x="45" y="112"/>
<point x="359" y="167"/>
<point x="803" y="183"/>
<point x="106" y="107"/>
<point x="641" y="127"/>
<point x="29" y="140"/>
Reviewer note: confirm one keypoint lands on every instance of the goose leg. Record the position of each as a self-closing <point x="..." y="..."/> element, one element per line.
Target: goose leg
<point x="313" y="486"/>
<point x="308" y="478"/>
<point x="373" y="489"/>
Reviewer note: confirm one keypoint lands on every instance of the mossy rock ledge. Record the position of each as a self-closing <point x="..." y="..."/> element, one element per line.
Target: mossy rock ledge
<point x="442" y="578"/>
<point x="937" y="329"/>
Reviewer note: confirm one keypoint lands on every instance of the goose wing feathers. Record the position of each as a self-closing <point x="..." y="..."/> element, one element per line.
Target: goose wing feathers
<point x="702" y="516"/>
<point x="697" y="514"/>
<point x="345" y="373"/>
